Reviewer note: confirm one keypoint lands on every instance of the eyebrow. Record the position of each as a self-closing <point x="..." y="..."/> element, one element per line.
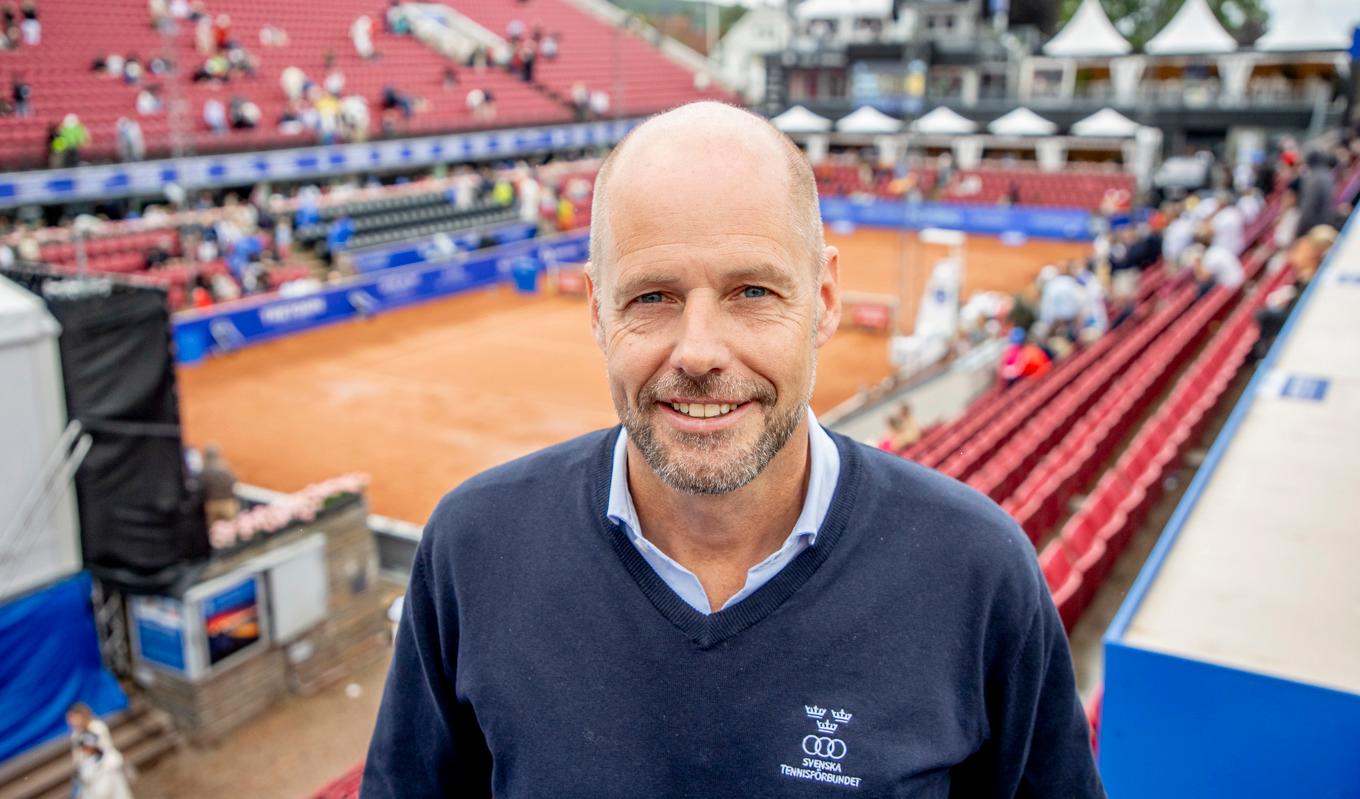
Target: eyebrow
<point x="758" y="273"/>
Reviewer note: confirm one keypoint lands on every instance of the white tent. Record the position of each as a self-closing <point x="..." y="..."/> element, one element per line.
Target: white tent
<point x="800" y="120"/>
<point x="1300" y="30"/>
<point x="1022" y="122"/>
<point x="942" y="121"/>
<point x="867" y="119"/>
<point x="1089" y="33"/>
<point x="1193" y="31"/>
<point x="837" y="9"/>
<point x="32" y="416"/>
<point x="1106" y="123"/>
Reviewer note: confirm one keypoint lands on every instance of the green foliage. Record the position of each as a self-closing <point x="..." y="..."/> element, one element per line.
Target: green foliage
<point x="1140" y="20"/>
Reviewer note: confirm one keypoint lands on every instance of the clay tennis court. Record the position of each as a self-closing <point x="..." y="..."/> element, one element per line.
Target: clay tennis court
<point x="422" y="398"/>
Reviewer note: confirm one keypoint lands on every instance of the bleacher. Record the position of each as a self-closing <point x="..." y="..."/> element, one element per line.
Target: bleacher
<point x="402" y="217"/>
<point x="1076" y="186"/>
<point x="77" y="32"/>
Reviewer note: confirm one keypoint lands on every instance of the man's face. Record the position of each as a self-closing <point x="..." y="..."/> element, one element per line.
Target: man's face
<point x="77" y="721"/>
<point x="709" y="315"/>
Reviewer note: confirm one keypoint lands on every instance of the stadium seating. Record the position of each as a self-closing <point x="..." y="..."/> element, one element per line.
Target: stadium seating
<point x="403" y="217"/>
<point x="1073" y="187"/>
<point x="77" y="32"/>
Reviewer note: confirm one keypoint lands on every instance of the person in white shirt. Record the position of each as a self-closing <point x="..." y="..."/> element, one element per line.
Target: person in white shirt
<point x="1179" y="234"/>
<point x="1228" y="225"/>
<point x="1214" y="265"/>
<point x="99" y="770"/>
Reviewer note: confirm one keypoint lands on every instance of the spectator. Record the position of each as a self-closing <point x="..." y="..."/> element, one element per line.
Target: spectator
<point x="221" y="32"/>
<point x="160" y="14"/>
<point x="599" y="103"/>
<point x="1179" y="234"/>
<point x="203" y="35"/>
<point x="160" y="66"/>
<point x="395" y="100"/>
<point x="361" y="34"/>
<point x="245" y="115"/>
<point x="354" y="118"/>
<point x="528" y="56"/>
<point x="1062" y="300"/>
<point x="1213" y="265"/>
<point x="30" y="27"/>
<point x="215" y="116"/>
<point x="218" y="481"/>
<point x="99" y="768"/>
<point x="8" y="16"/>
<point x="1229" y="225"/>
<point x="273" y="36"/>
<point x="1316" y="193"/>
<point x="338" y="234"/>
<point x="179" y="9"/>
<point x="1021" y="359"/>
<point x="149" y="101"/>
<point x="450" y="78"/>
<point x="514" y="30"/>
<point x="335" y="82"/>
<point x="132" y="71"/>
<point x="476" y="100"/>
<point x="131" y="145"/>
<point x="580" y="100"/>
<point x="903" y="432"/>
<point x="548" y="47"/>
<point x="1251" y="205"/>
<point x="72" y="136"/>
<point x="21" y="92"/>
<point x="395" y="21"/>
<point x="294" y="82"/>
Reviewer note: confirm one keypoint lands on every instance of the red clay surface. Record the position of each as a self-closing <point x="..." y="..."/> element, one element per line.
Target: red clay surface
<point x="422" y="398"/>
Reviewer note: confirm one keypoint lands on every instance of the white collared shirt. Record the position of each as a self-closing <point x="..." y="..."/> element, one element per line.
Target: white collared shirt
<point x="823" y="470"/>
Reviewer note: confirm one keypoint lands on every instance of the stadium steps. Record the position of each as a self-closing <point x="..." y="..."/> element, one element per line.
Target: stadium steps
<point x="142" y="733"/>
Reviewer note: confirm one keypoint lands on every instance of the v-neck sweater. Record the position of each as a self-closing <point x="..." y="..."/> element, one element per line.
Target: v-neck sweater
<point x="913" y="651"/>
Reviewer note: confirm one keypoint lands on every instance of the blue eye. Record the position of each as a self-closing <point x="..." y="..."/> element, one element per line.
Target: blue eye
<point x="651" y="298"/>
<point x="755" y="292"/>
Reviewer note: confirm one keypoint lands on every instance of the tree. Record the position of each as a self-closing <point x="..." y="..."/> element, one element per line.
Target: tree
<point x="1140" y="20"/>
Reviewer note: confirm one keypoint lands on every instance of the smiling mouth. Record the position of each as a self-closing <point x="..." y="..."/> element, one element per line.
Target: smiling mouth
<point x="704" y="410"/>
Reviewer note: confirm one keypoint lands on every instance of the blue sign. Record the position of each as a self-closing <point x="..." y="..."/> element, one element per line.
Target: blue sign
<point x="159" y="626"/>
<point x="1052" y="223"/>
<point x="238" y="324"/>
<point x="1312" y="389"/>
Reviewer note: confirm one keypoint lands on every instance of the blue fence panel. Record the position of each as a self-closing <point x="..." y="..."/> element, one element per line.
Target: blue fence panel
<point x="235" y="325"/>
<point x="1052" y="223"/>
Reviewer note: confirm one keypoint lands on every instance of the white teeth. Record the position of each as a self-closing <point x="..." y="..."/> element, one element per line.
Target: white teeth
<point x="700" y="410"/>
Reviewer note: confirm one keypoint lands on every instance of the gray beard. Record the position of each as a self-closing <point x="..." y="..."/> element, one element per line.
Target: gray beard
<point x="696" y="469"/>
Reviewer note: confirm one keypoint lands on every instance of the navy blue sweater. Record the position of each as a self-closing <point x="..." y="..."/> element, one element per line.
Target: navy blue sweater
<point x="914" y="651"/>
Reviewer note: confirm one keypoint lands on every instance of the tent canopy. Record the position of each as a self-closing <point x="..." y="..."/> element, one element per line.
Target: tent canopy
<point x="943" y="121"/>
<point x="1088" y="34"/>
<point x="1105" y="123"/>
<point x="800" y="120"/>
<point x="1193" y="31"/>
<point x="1022" y="122"/>
<point x="1298" y="30"/>
<point x="836" y="9"/>
<point x="23" y="317"/>
<point x="867" y="119"/>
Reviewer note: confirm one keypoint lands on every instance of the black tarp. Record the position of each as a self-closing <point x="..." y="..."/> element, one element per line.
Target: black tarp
<point x="141" y="528"/>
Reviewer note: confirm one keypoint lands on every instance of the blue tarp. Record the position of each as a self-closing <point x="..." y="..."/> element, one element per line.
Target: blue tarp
<point x="1051" y="223"/>
<point x="49" y="659"/>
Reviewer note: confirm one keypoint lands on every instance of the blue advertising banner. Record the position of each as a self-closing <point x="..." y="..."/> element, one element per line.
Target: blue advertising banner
<point x="420" y="251"/>
<point x="158" y="624"/>
<point x="234" y="325"/>
<point x="1073" y="224"/>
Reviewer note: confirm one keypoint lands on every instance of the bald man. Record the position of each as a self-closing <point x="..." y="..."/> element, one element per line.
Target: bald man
<point x="719" y="598"/>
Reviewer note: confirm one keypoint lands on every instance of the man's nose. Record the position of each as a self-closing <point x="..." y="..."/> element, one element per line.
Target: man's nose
<point x="700" y="348"/>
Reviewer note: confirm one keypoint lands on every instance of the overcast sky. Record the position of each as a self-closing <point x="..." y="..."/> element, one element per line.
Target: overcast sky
<point x="1341" y="13"/>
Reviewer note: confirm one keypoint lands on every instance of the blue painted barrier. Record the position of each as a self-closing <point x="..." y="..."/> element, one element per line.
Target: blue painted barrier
<point x="1073" y="224"/>
<point x="372" y="259"/>
<point x="234" y="325"/>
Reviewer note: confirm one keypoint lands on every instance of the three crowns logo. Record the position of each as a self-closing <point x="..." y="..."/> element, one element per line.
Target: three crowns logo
<point x="818" y="714"/>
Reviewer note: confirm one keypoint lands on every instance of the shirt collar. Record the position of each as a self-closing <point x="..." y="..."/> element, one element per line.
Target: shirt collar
<point x="823" y="470"/>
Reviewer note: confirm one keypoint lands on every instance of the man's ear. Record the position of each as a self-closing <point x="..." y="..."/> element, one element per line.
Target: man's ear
<point x="828" y="295"/>
<point x="596" y="329"/>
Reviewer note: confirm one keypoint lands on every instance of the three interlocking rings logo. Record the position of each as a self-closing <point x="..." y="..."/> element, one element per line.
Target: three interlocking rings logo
<point x="821" y="746"/>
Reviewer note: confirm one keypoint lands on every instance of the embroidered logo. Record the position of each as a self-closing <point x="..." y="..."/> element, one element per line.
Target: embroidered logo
<point x="822" y="751"/>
